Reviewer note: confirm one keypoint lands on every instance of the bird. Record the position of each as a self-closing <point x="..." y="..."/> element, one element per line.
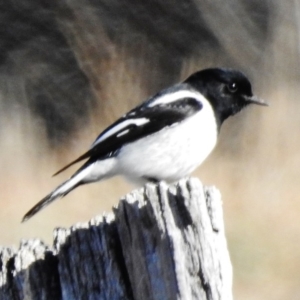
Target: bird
<point x="166" y="137"/>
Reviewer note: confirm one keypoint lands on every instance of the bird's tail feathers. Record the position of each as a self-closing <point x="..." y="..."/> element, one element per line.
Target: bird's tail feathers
<point x="89" y="172"/>
<point x="62" y="190"/>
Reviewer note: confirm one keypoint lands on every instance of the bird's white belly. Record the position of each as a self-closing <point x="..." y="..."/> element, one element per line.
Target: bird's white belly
<point x="173" y="152"/>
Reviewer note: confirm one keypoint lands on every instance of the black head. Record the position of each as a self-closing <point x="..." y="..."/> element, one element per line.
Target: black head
<point x="228" y="91"/>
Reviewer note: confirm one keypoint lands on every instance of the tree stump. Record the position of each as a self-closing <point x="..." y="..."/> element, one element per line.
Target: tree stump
<point x="161" y="242"/>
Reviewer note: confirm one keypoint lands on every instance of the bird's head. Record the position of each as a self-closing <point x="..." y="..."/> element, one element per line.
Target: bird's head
<point x="228" y="91"/>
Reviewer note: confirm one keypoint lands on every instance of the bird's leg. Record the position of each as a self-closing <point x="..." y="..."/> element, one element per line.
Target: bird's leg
<point x="151" y="179"/>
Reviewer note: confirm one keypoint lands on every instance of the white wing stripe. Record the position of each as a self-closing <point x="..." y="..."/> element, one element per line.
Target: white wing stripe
<point x="168" y="98"/>
<point x="123" y="132"/>
<point x="119" y="127"/>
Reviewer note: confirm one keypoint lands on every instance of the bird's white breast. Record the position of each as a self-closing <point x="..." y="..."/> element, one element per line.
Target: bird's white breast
<point x="173" y="152"/>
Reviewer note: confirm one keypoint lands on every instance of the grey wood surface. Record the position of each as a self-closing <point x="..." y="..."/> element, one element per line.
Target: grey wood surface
<point x="161" y="242"/>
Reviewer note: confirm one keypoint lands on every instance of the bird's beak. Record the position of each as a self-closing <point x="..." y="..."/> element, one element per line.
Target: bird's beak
<point x="255" y="100"/>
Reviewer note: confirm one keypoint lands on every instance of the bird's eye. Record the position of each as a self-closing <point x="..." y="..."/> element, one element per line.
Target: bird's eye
<point x="232" y="87"/>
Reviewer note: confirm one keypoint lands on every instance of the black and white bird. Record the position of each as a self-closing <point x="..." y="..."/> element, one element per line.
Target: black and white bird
<point x="166" y="137"/>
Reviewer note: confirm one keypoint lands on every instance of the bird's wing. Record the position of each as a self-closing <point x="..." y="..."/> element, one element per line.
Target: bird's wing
<point x="138" y="123"/>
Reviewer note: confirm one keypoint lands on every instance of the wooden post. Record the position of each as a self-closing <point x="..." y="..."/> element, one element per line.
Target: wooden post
<point x="161" y="242"/>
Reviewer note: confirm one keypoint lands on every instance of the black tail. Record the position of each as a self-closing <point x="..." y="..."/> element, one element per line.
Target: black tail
<point x="59" y="192"/>
<point x="39" y="206"/>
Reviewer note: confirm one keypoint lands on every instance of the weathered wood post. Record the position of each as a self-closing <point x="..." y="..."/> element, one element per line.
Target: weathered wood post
<point x="161" y="242"/>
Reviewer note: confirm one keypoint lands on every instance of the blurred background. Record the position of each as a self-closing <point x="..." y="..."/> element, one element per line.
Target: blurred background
<point x="69" y="68"/>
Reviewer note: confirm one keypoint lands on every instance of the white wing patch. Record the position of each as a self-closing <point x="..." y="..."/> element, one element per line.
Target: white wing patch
<point x="119" y="127"/>
<point x="164" y="99"/>
<point x="169" y="98"/>
<point x="123" y="132"/>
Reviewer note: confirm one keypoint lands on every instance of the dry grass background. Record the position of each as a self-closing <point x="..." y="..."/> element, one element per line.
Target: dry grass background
<point x="256" y="164"/>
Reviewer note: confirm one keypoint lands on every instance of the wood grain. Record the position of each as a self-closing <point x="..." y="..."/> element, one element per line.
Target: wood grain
<point x="161" y="242"/>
